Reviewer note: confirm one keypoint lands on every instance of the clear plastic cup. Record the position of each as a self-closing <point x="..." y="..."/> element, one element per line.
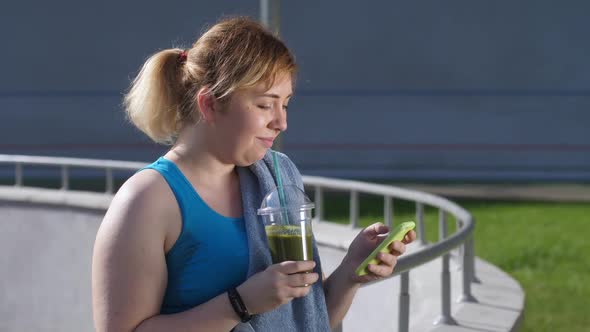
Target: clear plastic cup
<point x="288" y="225"/>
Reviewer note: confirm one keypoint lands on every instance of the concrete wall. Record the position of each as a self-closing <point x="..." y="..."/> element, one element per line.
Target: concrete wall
<point x="46" y="267"/>
<point x="416" y="90"/>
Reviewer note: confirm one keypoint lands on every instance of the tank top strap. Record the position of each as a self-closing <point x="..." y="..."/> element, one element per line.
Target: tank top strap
<point x="180" y="186"/>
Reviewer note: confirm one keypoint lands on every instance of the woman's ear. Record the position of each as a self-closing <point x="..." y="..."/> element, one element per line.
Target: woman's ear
<point x="207" y="104"/>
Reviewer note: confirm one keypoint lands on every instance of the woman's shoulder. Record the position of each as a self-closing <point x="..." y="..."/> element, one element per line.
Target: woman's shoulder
<point x="144" y="201"/>
<point x="145" y="186"/>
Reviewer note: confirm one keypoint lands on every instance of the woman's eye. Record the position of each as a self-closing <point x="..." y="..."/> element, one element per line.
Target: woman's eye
<point x="265" y="107"/>
<point x="285" y="107"/>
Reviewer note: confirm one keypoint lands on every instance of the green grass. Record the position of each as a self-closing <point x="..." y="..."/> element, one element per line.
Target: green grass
<point x="542" y="245"/>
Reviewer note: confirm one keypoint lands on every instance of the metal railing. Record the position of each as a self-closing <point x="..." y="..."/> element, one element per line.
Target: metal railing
<point x="462" y="238"/>
<point x="66" y="164"/>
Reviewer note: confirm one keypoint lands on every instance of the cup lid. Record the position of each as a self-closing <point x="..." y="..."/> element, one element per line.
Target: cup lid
<point x="294" y="198"/>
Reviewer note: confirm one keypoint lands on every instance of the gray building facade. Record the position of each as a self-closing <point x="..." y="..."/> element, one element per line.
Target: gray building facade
<point x="400" y="90"/>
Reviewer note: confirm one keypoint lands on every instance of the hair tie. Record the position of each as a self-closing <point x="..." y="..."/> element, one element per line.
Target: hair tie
<point x="182" y="57"/>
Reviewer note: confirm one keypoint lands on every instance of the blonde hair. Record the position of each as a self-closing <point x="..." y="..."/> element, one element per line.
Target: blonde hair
<point x="234" y="53"/>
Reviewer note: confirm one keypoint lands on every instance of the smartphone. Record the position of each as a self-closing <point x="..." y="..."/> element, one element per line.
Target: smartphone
<point x="397" y="234"/>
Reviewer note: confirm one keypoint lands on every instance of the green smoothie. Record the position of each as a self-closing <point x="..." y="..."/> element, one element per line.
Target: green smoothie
<point x="287" y="244"/>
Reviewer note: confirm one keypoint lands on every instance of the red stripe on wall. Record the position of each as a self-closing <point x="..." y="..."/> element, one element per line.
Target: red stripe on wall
<point x="331" y="146"/>
<point x="441" y="147"/>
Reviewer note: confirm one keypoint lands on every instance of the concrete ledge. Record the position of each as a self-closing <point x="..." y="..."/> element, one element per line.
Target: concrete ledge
<point x="71" y="198"/>
<point x="499" y="307"/>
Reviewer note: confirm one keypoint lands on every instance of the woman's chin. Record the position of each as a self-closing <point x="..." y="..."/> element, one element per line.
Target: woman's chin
<point x="251" y="158"/>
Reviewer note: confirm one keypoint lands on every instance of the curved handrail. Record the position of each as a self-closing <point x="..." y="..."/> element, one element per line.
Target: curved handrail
<point x="385" y="190"/>
<point x="409" y="261"/>
<point x="76" y="162"/>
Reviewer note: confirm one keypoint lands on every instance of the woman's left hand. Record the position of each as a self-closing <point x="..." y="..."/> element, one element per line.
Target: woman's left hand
<point x="364" y="243"/>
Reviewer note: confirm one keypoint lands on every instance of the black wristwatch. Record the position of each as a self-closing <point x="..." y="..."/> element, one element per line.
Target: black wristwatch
<point x="239" y="307"/>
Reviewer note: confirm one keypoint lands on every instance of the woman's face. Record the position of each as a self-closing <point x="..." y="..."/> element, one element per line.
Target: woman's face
<point x="253" y="117"/>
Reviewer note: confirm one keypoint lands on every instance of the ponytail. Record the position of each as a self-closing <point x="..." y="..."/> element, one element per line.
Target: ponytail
<point x="235" y="53"/>
<point x="152" y="104"/>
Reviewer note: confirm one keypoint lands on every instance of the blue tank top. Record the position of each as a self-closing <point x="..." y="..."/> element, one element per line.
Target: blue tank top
<point x="211" y="253"/>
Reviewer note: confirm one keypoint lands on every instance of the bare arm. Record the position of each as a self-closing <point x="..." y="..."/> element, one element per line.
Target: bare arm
<point x="340" y="290"/>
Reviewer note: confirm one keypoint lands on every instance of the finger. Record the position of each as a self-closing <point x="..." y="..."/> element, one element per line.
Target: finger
<point x="300" y="291"/>
<point x="410" y="237"/>
<point x="302" y="279"/>
<point x="387" y="259"/>
<point x="397" y="248"/>
<point x="291" y="267"/>
<point x="380" y="270"/>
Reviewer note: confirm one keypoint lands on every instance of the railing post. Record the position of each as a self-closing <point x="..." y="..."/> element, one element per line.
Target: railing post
<point x="420" y="221"/>
<point x="18" y="174"/>
<point x="65" y="180"/>
<point x="109" y="180"/>
<point x="467" y="271"/>
<point x="404" y="303"/>
<point x="319" y="203"/>
<point x="445" y="317"/>
<point x="387" y="211"/>
<point x="471" y="257"/>
<point x="460" y="249"/>
<point x="354" y="208"/>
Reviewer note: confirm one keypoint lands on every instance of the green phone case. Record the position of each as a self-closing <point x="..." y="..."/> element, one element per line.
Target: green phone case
<point x="396" y="234"/>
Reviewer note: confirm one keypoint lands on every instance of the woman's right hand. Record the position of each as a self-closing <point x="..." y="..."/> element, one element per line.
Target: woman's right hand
<point x="277" y="285"/>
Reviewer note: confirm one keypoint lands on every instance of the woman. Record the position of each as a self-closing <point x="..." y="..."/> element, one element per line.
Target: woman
<point x="180" y="248"/>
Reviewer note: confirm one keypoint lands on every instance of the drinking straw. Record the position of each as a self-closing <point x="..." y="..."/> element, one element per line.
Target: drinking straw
<point x="279" y="183"/>
<point x="283" y="203"/>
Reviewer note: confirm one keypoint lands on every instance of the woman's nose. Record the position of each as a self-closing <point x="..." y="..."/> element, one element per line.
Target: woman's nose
<point x="280" y="120"/>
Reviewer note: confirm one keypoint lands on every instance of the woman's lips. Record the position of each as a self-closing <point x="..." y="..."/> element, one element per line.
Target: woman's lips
<point x="266" y="141"/>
